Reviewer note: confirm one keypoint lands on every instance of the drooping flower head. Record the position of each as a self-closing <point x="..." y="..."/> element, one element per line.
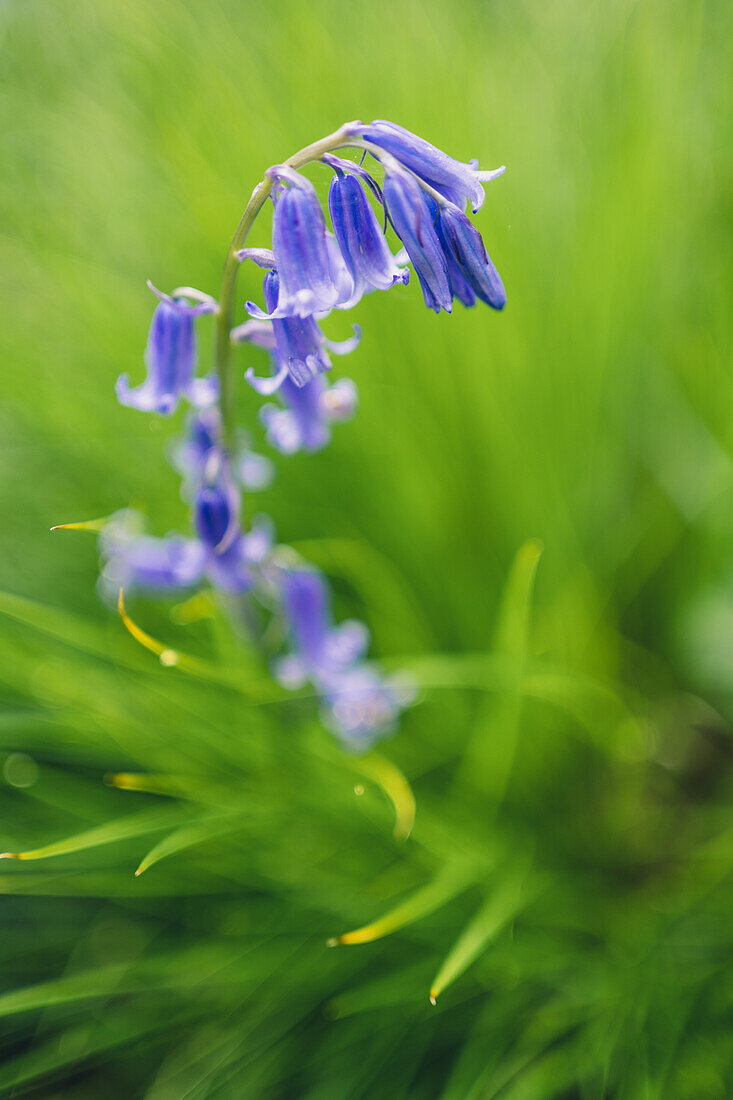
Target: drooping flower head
<point x="358" y="233"/>
<point x="319" y="649"/>
<point x="303" y="421"/>
<point x="136" y="561"/>
<point x="312" y="275"/>
<point x="202" y="433"/>
<point x="458" y="182"/>
<point x="170" y="358"/>
<point x="471" y="274"/>
<point x="221" y="552"/>
<point x="359" y="703"/>
<point x="412" y="216"/>
<point x="297" y="344"/>
<point x="230" y="553"/>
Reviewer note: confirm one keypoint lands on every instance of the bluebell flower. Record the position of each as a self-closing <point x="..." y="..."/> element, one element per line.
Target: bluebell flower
<point x="221" y="552"/>
<point x="313" y="277"/>
<point x="170" y="358"/>
<point x="230" y="554"/>
<point x="304" y="423"/>
<point x="471" y="274"/>
<point x="297" y="344"/>
<point x="411" y="212"/>
<point x="361" y="704"/>
<point x="360" y="238"/>
<point x="319" y="650"/>
<point x="138" y="562"/>
<point x="456" y="181"/>
<point x="201" y="437"/>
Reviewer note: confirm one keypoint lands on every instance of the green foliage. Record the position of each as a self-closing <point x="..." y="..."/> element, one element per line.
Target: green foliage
<point x="565" y="892"/>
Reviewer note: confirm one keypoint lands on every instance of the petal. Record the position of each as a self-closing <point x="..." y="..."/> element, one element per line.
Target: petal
<point x="340" y="401"/>
<point x="151" y="564"/>
<point x="267" y="386"/>
<point x="203" y="392"/>
<point x="455" y="179"/>
<point x="289" y="672"/>
<point x="344" y="347"/>
<point x="144" y="397"/>
<point x="360" y="238"/>
<point x="263" y="257"/>
<point x="347" y="643"/>
<point x="282" y="430"/>
<point x="307" y="609"/>
<point x="412" y="218"/>
<point x="257" y="542"/>
<point x="258" y="333"/>
<point x="204" y="302"/>
<point x="253" y="471"/>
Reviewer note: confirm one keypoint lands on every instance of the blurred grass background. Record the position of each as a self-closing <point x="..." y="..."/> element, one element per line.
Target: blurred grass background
<point x="571" y="756"/>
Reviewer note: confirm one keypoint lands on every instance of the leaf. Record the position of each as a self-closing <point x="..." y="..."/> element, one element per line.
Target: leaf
<point x="513" y="621"/>
<point x="388" y="776"/>
<point x="186" y="837"/>
<point x="123" y="828"/>
<point x="498" y="909"/>
<point x="95" y="525"/>
<point x="446" y="885"/>
<point x="56" y="623"/>
<point x="489" y="757"/>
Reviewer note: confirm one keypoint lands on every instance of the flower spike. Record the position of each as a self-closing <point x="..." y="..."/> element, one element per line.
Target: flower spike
<point x="170" y="358"/>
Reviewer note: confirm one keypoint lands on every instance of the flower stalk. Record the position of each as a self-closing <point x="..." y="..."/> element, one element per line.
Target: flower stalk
<point x="310" y="269"/>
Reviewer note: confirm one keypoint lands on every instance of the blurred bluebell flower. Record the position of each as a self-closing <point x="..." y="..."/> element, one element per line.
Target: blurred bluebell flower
<point x="319" y="650"/>
<point x="471" y="274"/>
<point x="361" y="240"/>
<point x="411" y="212"/>
<point x="201" y="436"/>
<point x="361" y="704"/>
<point x="136" y="561"/>
<point x="304" y="423"/>
<point x="297" y="344"/>
<point x="456" y="181"/>
<point x="230" y="554"/>
<point x="221" y="552"/>
<point x="312" y="274"/>
<point x="170" y="358"/>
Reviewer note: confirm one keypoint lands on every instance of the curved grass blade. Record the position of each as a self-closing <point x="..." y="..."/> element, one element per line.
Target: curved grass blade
<point x="55" y="623"/>
<point x="388" y="776"/>
<point x="496" y="912"/>
<point x="168" y="657"/>
<point x="489" y="758"/>
<point x="76" y="987"/>
<point x="450" y="882"/>
<point x="186" y="837"/>
<point x="95" y="525"/>
<point x="124" y="828"/>
<point x="173" y="658"/>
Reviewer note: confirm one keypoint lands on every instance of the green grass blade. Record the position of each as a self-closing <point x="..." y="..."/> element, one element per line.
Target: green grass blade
<point x="497" y="911"/>
<point x="186" y="837"/>
<point x="445" y="886"/>
<point x="123" y="828"/>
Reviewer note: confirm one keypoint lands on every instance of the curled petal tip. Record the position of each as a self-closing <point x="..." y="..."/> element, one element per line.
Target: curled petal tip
<point x="263" y="257"/>
<point x="266" y="386"/>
